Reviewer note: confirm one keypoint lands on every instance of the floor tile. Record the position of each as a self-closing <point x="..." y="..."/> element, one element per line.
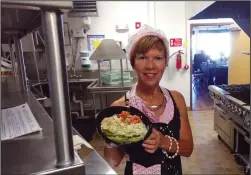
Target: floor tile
<point x="213" y="170"/>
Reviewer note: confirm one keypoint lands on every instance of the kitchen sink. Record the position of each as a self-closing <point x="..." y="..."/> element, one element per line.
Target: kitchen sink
<point x="75" y="85"/>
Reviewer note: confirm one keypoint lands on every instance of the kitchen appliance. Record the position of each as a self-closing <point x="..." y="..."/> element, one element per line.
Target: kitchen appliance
<point x="232" y="119"/>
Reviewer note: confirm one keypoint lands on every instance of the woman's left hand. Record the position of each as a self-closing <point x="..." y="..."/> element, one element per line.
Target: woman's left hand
<point x="153" y="142"/>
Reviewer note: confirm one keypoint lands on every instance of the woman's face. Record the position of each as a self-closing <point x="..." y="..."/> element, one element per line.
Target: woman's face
<point x="150" y="66"/>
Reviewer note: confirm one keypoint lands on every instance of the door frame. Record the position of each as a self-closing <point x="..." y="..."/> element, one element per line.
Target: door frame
<point x="196" y="23"/>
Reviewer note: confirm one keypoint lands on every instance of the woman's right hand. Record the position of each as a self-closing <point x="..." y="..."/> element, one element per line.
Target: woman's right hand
<point x="111" y="145"/>
<point x="153" y="142"/>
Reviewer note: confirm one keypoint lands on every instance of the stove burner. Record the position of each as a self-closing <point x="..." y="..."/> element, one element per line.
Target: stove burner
<point x="240" y="92"/>
<point x="235" y="87"/>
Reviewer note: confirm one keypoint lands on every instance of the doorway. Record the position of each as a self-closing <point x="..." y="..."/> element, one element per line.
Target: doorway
<point x="209" y="52"/>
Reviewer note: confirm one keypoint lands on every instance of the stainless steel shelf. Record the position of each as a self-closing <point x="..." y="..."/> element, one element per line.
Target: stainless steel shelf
<point x="22" y="17"/>
<point x="18" y="22"/>
<point x="35" y="152"/>
<point x="51" y="150"/>
<point x="66" y="4"/>
<point x="96" y="88"/>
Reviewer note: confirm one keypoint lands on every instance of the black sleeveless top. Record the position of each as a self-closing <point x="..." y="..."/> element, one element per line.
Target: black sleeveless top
<point x="138" y="155"/>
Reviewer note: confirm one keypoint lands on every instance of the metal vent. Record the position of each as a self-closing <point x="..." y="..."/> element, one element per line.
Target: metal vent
<point x="83" y="8"/>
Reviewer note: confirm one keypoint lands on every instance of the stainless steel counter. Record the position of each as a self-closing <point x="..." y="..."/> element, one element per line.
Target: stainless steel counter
<point x="32" y="153"/>
<point x="70" y="81"/>
<point x="96" y="88"/>
<point x="35" y="153"/>
<point x="222" y="93"/>
<point x="104" y="89"/>
<point x="95" y="164"/>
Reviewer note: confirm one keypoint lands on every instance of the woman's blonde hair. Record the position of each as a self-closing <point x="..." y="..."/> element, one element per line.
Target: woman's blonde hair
<point x="145" y="43"/>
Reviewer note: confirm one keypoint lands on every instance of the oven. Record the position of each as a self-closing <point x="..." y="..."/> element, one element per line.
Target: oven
<point x="240" y="124"/>
<point x="223" y="125"/>
<point x="242" y="147"/>
<point x="232" y="119"/>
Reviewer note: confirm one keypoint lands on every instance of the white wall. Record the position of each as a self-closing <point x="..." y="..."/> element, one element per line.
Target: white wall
<point x="170" y="16"/>
<point x="110" y="14"/>
<point x="194" y="7"/>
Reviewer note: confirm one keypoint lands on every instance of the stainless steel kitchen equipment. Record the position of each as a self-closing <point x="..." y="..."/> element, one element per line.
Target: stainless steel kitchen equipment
<point x="35" y="153"/>
<point x="51" y="150"/>
<point x="94" y="89"/>
<point x="57" y="75"/>
<point x="62" y="125"/>
<point x="83" y="8"/>
<point x="76" y="85"/>
<point x="232" y="119"/>
<point x="109" y="50"/>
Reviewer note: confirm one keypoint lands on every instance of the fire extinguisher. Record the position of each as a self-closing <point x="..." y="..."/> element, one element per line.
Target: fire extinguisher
<point x="178" y="60"/>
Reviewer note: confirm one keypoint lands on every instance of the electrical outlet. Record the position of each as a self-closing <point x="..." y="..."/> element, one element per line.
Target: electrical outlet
<point x="79" y="33"/>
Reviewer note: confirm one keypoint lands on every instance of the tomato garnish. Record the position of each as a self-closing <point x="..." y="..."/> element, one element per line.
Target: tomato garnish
<point x="128" y="119"/>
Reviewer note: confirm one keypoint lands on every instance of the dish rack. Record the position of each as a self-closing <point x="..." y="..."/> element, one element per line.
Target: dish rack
<point x="115" y="78"/>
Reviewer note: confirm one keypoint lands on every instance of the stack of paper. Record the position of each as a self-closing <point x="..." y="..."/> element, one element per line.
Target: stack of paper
<point x="78" y="141"/>
<point x="18" y="121"/>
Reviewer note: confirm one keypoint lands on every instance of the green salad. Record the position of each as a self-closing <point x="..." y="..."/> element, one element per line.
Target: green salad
<point x="124" y="128"/>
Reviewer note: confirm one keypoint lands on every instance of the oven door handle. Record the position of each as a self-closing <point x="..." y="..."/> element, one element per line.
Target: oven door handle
<point x="220" y="110"/>
<point x="222" y="113"/>
<point x="247" y="139"/>
<point x="221" y="116"/>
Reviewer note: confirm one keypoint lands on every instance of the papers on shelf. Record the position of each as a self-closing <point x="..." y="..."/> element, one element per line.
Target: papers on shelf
<point x="18" y="121"/>
<point x="78" y="141"/>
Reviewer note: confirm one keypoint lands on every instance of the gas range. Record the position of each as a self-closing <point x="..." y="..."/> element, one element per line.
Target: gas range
<point x="240" y="92"/>
<point x="232" y="119"/>
<point x="236" y="101"/>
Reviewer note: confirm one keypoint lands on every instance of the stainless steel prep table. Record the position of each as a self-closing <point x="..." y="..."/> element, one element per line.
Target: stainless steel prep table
<point x="95" y="88"/>
<point x="70" y="81"/>
<point x="35" y="153"/>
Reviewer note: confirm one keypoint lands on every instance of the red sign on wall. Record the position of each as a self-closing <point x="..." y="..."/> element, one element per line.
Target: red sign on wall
<point x="175" y="42"/>
<point x="137" y="25"/>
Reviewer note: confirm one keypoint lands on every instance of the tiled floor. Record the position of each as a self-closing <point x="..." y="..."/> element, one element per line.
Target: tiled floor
<point x="210" y="155"/>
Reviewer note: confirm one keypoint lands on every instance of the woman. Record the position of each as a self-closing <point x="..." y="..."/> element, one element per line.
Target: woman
<point x="171" y="136"/>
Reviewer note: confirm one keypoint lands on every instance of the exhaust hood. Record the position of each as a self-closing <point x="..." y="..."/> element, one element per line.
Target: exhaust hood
<point x="239" y="11"/>
<point x="83" y="8"/>
<point x="108" y="50"/>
